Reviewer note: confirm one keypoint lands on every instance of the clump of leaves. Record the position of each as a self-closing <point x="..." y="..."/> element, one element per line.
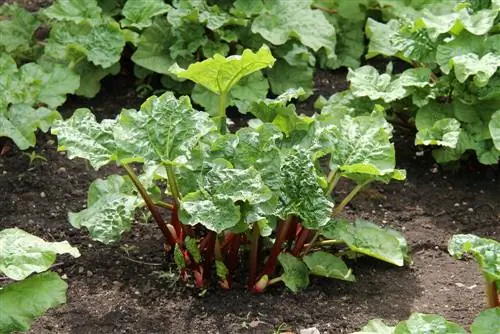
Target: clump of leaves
<point x="259" y="192"/>
<point x="487" y="322"/>
<point x="486" y="252"/>
<point x="26" y="259"/>
<point x="451" y="93"/>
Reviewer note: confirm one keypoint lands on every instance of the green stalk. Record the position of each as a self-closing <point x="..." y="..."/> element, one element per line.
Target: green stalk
<point x="333" y="178"/>
<point x="169" y="238"/>
<point x="348" y="198"/>
<point x="492" y="294"/>
<point x="172" y="184"/>
<point x="222" y="112"/>
<point x="275" y="280"/>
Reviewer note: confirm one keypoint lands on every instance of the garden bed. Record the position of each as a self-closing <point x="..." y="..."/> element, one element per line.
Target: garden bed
<point x="133" y="288"/>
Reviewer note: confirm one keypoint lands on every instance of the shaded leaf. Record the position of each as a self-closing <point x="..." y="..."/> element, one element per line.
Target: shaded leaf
<point x="428" y="323"/>
<point x="22" y="302"/>
<point x="487" y="322"/>
<point x="22" y="254"/>
<point x="494" y="127"/>
<point x="296" y="274"/>
<point x="138" y="13"/>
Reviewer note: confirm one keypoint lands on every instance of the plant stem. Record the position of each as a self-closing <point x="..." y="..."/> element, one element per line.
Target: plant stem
<point x="275" y="280"/>
<point x="491" y="294"/>
<point x="253" y="257"/>
<point x="222" y="112"/>
<point x="292" y="232"/>
<point x="324" y="9"/>
<point x="209" y="254"/>
<point x="169" y="239"/>
<point x="348" y="198"/>
<point x="276" y="250"/>
<point x="232" y="255"/>
<point x="324" y="243"/>
<point x="299" y="244"/>
<point x="164" y="205"/>
<point x="172" y="184"/>
<point x="333" y="178"/>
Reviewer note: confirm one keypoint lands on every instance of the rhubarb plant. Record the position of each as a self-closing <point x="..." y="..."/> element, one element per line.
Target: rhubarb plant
<point x="25" y="260"/>
<point x="450" y="91"/>
<point x="258" y="193"/>
<point x="486" y="252"/>
<point x="487" y="322"/>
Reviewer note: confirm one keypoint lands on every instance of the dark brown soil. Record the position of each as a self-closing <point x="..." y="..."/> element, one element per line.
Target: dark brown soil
<point x="131" y="288"/>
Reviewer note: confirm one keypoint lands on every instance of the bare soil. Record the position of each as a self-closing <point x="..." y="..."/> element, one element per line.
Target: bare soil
<point x="132" y="288"/>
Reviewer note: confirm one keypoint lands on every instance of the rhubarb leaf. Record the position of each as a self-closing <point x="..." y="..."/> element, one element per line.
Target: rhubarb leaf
<point x="328" y="265"/>
<point x="376" y="326"/>
<point x="360" y="146"/>
<point x="296" y="274"/>
<point x="471" y="65"/>
<point x="22" y="254"/>
<point x="494" y="127"/>
<point x="279" y="22"/>
<point x="444" y="132"/>
<point x="428" y="323"/>
<point x="16" y="31"/>
<point x="486" y="252"/>
<point x="138" y="13"/>
<point x="487" y="322"/>
<point x="284" y="76"/>
<point x="101" y="43"/>
<point x="216" y="214"/>
<point x="74" y="10"/>
<point x="22" y="302"/>
<point x="110" y="208"/>
<point x="369" y="239"/>
<point x="220" y="74"/>
<point x="165" y="130"/>
<point x="82" y="137"/>
<point x="301" y="193"/>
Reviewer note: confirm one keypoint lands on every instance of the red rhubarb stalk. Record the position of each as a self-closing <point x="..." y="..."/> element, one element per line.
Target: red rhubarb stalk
<point x="301" y="240"/>
<point x="209" y="254"/>
<point x="254" y="252"/>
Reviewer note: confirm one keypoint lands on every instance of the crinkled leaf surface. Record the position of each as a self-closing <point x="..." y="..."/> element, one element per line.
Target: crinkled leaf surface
<point x="280" y="22"/>
<point x="296" y="274"/>
<point x="16" y="30"/>
<point x="327" y="265"/>
<point x="301" y="193"/>
<point x="366" y="81"/>
<point x="487" y="322"/>
<point x="381" y="37"/>
<point x="81" y="136"/>
<point x="101" y="43"/>
<point x="110" y="207"/>
<point x="494" y="127"/>
<point x="22" y="302"/>
<point x="444" y="132"/>
<point x="360" y="146"/>
<point x="284" y="76"/>
<point x="216" y="214"/>
<point x="220" y="74"/>
<point x="428" y="323"/>
<point x="376" y="326"/>
<point x="471" y="65"/>
<point x="486" y="252"/>
<point x="138" y="13"/>
<point x="73" y="10"/>
<point x="164" y="130"/>
<point x="22" y="254"/>
<point x="369" y="239"/>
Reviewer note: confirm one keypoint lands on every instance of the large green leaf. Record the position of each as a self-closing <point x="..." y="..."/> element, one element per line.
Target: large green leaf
<point x="486" y="252"/>
<point x="366" y="81"/>
<point x="91" y="76"/>
<point x="284" y="76"/>
<point x="428" y="323"/>
<point x="327" y="265"/>
<point x="110" y="209"/>
<point x="22" y="302"/>
<point x="74" y="10"/>
<point x="220" y="74"/>
<point x="376" y="326"/>
<point x="101" y="43"/>
<point x="301" y="193"/>
<point x="216" y="214"/>
<point x="164" y="130"/>
<point x="138" y="13"/>
<point x="444" y="132"/>
<point x="280" y="22"/>
<point x="369" y="239"/>
<point x="494" y="127"/>
<point x="381" y="37"/>
<point x="16" y="30"/>
<point x="487" y="322"/>
<point x="472" y="65"/>
<point x="83" y="137"/>
<point x="360" y="146"/>
<point x="22" y="254"/>
<point x="296" y="274"/>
